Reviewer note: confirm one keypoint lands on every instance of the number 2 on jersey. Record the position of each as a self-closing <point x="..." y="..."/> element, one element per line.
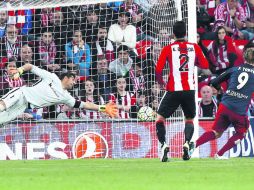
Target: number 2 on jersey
<point x="242" y="79"/>
<point x="184" y="67"/>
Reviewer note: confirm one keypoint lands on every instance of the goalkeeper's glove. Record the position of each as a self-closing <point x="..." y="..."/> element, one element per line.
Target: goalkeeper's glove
<point x="18" y="73"/>
<point x="110" y="109"/>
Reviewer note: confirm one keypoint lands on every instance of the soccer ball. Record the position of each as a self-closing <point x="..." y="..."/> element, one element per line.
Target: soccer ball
<point x="146" y="114"/>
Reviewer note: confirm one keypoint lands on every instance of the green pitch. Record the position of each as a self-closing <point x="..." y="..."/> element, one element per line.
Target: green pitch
<point x="128" y="174"/>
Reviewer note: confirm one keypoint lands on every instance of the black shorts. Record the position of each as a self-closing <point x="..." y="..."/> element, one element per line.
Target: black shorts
<point x="171" y="101"/>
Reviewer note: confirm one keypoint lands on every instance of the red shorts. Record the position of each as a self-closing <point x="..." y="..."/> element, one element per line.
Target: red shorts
<point x="225" y="117"/>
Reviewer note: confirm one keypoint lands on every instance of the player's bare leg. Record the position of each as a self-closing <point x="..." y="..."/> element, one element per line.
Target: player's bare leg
<point x="188" y="132"/>
<point x="161" y="134"/>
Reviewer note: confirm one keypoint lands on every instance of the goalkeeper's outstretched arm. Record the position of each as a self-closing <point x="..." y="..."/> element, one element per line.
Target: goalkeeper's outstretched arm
<point x="110" y="108"/>
<point x="37" y="71"/>
<point x="27" y="67"/>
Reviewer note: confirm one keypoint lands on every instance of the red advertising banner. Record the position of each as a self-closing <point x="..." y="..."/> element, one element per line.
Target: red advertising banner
<point x="95" y="140"/>
<point x="86" y="140"/>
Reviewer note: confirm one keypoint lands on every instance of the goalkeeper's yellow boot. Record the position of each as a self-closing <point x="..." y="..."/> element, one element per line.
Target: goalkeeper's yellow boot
<point x="164" y="152"/>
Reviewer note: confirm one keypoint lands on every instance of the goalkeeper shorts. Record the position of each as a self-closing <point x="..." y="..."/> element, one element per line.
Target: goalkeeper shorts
<point x="15" y="105"/>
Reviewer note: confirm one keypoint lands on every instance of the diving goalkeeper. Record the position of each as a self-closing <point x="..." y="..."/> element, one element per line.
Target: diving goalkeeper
<point x="49" y="90"/>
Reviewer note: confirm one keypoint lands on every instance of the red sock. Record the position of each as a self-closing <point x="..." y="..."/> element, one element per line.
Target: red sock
<point x="207" y="136"/>
<point x="231" y="143"/>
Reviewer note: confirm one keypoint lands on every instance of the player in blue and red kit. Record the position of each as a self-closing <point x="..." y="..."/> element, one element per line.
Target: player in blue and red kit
<point x="234" y="105"/>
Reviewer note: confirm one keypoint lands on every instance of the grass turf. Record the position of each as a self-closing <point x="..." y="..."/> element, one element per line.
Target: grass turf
<point x="128" y="174"/>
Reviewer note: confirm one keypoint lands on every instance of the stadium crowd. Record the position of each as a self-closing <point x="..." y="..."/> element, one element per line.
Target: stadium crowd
<point x="112" y="51"/>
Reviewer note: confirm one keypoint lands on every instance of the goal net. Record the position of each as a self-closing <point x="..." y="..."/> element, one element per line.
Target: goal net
<point x="112" y="47"/>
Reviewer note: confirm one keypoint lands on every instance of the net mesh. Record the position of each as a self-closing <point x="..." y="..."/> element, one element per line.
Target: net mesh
<point x="83" y="37"/>
<point x="38" y="4"/>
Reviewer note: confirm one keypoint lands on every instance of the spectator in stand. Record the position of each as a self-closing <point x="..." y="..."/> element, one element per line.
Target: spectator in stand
<point x="47" y="51"/>
<point x="221" y="52"/>
<point x="155" y="104"/>
<point x="136" y="80"/>
<point x="205" y="14"/>
<point x="26" y="56"/>
<point x="101" y="46"/>
<point x="137" y="17"/>
<point x="6" y="81"/>
<point x="122" y="98"/>
<point x="23" y="19"/>
<point x="43" y="18"/>
<point x="104" y="79"/>
<point x="61" y="35"/>
<point x="156" y="91"/>
<point x="90" y="95"/>
<point x="79" y="53"/>
<point x="208" y="5"/>
<point x="201" y="45"/>
<point x="248" y="28"/>
<point x="3" y="22"/>
<point x="231" y="15"/>
<point x="122" y="65"/>
<point x="90" y="25"/>
<point x="149" y="64"/>
<point x="10" y="45"/>
<point x="123" y="33"/>
<point x="141" y="101"/>
<point x="207" y="107"/>
<point x="205" y="81"/>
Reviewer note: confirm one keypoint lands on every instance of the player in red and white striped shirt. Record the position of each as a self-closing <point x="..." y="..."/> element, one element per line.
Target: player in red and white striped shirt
<point x="182" y="57"/>
<point x="91" y="97"/>
<point x="122" y="98"/>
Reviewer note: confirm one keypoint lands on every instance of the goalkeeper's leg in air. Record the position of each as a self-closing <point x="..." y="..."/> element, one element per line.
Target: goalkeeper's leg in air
<point x="11" y="105"/>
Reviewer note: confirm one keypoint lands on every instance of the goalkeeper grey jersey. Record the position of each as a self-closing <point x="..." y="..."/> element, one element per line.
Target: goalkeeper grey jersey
<point x="47" y="91"/>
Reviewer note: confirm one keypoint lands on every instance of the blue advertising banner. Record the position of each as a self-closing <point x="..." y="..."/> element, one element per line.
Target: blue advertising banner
<point x="245" y="148"/>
